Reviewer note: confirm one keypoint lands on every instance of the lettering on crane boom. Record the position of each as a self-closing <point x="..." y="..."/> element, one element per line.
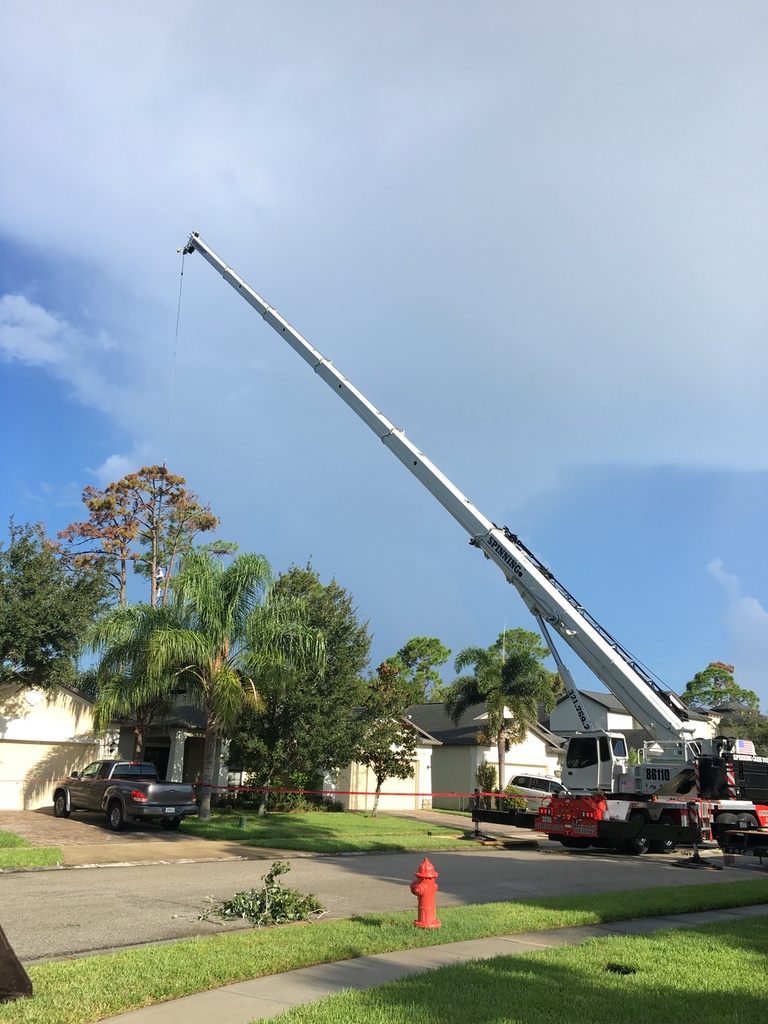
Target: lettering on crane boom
<point x="579" y="710"/>
<point x="505" y="556"/>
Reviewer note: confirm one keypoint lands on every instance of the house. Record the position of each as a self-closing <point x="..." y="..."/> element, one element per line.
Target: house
<point x="355" y="785"/>
<point x="175" y="743"/>
<point x="43" y="737"/>
<point x="607" y="712"/>
<point x="456" y="760"/>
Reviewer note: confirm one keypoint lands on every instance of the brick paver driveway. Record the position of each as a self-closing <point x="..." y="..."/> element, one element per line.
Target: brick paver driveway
<point x="82" y="829"/>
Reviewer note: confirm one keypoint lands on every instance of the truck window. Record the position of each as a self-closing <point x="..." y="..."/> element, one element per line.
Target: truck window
<point x="582" y="753"/>
<point x="104" y="771"/>
<point x="605" y="750"/>
<point x="619" y="746"/>
<point x="90" y="771"/>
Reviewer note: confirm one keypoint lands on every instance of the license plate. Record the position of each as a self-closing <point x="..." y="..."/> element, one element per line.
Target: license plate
<point x="170" y="810"/>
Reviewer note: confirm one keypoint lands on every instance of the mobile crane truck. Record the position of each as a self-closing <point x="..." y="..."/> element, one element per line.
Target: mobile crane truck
<point x="688" y="785"/>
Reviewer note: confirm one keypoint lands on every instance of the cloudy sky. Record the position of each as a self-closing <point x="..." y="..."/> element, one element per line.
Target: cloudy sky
<point x="534" y="235"/>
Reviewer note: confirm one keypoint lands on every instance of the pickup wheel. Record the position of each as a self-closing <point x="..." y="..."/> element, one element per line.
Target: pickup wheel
<point x="60" y="809"/>
<point x="664" y="845"/>
<point x="115" y="816"/>
<point x="639" y="845"/>
<point x="170" y="824"/>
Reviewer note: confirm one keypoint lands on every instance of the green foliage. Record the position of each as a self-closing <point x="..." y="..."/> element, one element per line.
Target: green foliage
<point x="487" y="777"/>
<point x="749" y="724"/>
<point x="221" y="639"/>
<point x="387" y="743"/>
<point x="46" y="607"/>
<point x="714" y="686"/>
<point x="509" y="676"/>
<point x="417" y="662"/>
<point x="273" y="903"/>
<point x="513" y="799"/>
<point x="305" y="720"/>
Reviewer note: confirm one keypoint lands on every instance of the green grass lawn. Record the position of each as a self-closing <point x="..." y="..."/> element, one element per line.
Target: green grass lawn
<point x="350" y="832"/>
<point x="715" y="974"/>
<point x="90" y="988"/>
<point x="16" y="852"/>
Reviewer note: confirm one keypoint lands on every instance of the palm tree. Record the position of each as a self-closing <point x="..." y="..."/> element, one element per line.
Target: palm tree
<point x="508" y="676"/>
<point x="218" y="636"/>
<point x="124" y="684"/>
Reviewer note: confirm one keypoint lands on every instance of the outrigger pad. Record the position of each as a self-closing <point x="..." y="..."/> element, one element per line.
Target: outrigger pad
<point x="14" y="980"/>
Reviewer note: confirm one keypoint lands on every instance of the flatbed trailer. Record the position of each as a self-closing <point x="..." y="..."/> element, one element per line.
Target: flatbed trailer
<point x="743" y="842"/>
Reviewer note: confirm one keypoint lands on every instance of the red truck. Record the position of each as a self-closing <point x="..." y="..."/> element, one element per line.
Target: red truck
<point x="124" y="791"/>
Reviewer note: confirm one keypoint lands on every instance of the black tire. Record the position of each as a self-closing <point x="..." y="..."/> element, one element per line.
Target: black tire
<point x="115" y="816"/>
<point x="640" y="845"/>
<point x="60" y="809"/>
<point x="664" y="845"/>
<point x="170" y="824"/>
<point x="747" y="820"/>
<point x="575" y="842"/>
<point x="727" y="820"/>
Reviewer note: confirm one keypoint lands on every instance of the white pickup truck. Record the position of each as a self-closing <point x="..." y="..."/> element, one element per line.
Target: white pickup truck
<point x="124" y="791"/>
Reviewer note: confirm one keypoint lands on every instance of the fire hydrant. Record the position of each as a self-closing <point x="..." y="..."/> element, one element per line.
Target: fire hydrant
<point x="424" y="886"/>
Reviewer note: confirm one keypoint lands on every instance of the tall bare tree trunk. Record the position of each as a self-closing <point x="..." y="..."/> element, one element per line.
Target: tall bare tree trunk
<point x="209" y="768"/>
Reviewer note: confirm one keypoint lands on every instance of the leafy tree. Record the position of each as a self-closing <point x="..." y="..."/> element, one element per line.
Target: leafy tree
<point x="508" y="675"/>
<point x="715" y="685"/>
<point x="418" y="662"/>
<point x="46" y="607"/>
<point x="749" y="724"/>
<point x="217" y="638"/>
<point x="306" y="721"/>
<point x="388" y="743"/>
<point x="149" y="519"/>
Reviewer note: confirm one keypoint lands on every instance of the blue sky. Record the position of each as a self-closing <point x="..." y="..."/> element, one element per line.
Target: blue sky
<point x="532" y="234"/>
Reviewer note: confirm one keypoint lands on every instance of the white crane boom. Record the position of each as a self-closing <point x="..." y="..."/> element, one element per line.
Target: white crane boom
<point x="661" y="713"/>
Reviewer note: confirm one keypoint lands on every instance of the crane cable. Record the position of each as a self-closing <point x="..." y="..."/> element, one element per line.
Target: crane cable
<point x="173" y="365"/>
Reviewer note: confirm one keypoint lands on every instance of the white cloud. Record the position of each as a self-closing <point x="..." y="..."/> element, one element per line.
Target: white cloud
<point x="746" y="622"/>
<point x="36" y="337"/>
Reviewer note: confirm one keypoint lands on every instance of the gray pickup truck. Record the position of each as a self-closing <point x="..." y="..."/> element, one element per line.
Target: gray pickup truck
<point x="124" y="791"/>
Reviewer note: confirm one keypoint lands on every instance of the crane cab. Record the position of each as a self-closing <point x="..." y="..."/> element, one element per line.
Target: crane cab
<point x="595" y="760"/>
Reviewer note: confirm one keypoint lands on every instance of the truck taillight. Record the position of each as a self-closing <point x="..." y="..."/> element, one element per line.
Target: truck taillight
<point x="138" y="796"/>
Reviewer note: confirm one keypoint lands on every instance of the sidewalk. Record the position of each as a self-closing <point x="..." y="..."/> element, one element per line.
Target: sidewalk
<point x="263" y="998"/>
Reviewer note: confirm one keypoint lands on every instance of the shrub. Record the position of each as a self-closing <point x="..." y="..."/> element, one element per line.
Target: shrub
<point x="486" y="780"/>
<point x="513" y="799"/>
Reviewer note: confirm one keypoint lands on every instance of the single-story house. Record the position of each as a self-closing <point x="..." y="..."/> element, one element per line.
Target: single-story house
<point x="456" y="760"/>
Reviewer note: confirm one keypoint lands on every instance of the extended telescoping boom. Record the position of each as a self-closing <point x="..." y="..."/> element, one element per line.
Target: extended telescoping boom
<point x="662" y="713"/>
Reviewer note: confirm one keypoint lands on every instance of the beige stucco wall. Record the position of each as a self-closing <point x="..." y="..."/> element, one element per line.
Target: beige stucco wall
<point x="356" y="785"/>
<point x="453" y="768"/>
<point x="43" y="737"/>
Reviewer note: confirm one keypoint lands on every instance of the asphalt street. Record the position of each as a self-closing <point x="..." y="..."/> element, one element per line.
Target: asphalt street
<point x="58" y="913"/>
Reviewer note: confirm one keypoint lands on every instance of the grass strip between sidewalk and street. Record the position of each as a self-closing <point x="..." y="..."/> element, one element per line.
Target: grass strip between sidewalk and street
<point x="16" y="852"/>
<point x="87" y="989"/>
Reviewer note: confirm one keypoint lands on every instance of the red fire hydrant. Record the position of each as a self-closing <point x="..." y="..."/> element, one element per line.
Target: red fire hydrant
<point x="424" y="886"/>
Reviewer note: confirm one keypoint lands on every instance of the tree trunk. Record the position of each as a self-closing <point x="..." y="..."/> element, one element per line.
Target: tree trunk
<point x="501" y="749"/>
<point x="376" y="796"/>
<point x="209" y="768"/>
